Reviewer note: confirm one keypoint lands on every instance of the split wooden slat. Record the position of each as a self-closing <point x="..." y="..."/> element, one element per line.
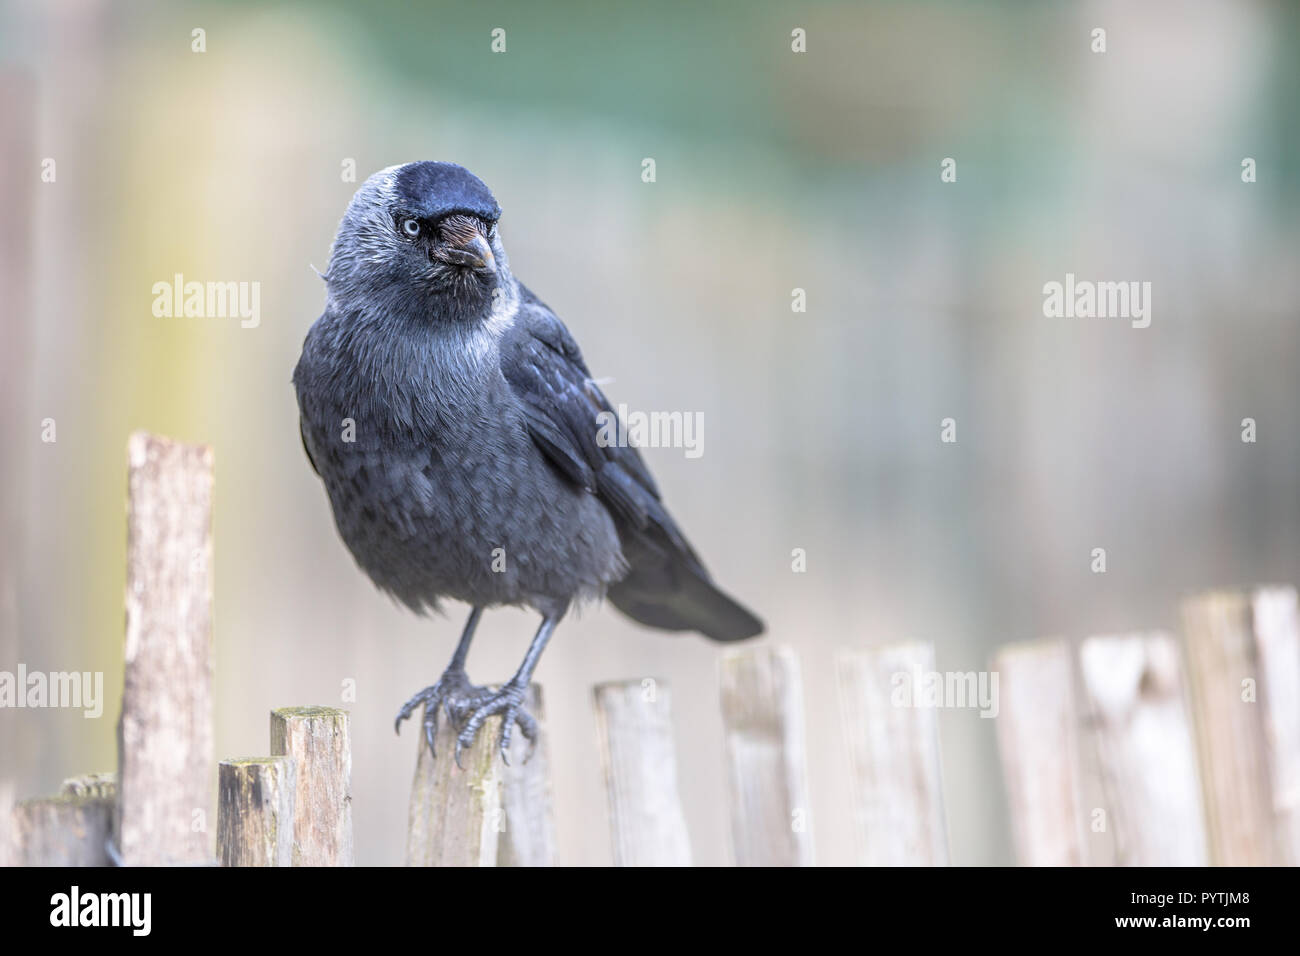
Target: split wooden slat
<point x="762" y="715"/>
<point x="529" y="837"/>
<point x="1038" y="740"/>
<point x="8" y="830"/>
<point x="893" y="756"/>
<point x="1277" y="633"/>
<point x="165" y="735"/>
<point x="255" y="811"/>
<point x="635" y="734"/>
<point x="319" y="741"/>
<point x="482" y="812"/>
<point x="1146" y="749"/>
<point x="1223" y="667"/>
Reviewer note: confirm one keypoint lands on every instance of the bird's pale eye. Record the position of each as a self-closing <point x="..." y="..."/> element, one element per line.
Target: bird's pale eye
<point x="411" y="227"/>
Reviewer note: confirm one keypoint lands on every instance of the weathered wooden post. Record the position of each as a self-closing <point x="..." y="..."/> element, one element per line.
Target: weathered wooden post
<point x="165" y="750"/>
<point x="1223" y="666"/>
<point x="255" y="811"/>
<point x="456" y="816"/>
<point x="1277" y="633"/>
<point x="8" y="826"/>
<point x="635" y="734"/>
<point x="893" y="757"/>
<point x="318" y="740"/>
<point x="483" y="812"/>
<point x="529" y="837"/>
<point x="1038" y="741"/>
<point x="1145" y="748"/>
<point x="762" y="715"/>
<point x="70" y="829"/>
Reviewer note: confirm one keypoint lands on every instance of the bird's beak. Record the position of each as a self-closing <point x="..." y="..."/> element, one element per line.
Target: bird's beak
<point x="477" y="254"/>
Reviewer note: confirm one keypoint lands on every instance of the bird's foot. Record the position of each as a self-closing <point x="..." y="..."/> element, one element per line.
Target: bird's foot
<point x="509" y="702"/>
<point x="468" y="706"/>
<point x="454" y="694"/>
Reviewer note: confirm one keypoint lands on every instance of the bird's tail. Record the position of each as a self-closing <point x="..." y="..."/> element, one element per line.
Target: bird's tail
<point x="664" y="591"/>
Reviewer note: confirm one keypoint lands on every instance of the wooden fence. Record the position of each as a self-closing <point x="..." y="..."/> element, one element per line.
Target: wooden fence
<point x="1159" y="749"/>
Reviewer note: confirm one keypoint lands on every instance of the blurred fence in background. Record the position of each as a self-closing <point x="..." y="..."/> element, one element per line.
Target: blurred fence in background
<point x="1194" y="744"/>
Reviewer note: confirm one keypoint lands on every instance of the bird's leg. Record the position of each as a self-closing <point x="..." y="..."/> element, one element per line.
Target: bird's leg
<point x="509" y="700"/>
<point x="453" y="692"/>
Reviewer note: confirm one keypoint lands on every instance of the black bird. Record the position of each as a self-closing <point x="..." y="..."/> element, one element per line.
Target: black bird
<point x="455" y="426"/>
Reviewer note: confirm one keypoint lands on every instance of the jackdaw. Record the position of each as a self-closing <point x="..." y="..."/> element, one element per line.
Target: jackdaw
<point x="457" y="430"/>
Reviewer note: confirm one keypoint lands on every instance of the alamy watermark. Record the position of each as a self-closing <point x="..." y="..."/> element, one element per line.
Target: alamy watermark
<point x="946" y="689"/>
<point x="209" y="300"/>
<point x="131" y="911"/>
<point x="1085" y="299"/>
<point x="73" y="689"/>
<point x="625" y="428"/>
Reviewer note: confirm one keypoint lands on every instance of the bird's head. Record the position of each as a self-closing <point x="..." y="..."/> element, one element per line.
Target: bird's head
<point x="422" y="238"/>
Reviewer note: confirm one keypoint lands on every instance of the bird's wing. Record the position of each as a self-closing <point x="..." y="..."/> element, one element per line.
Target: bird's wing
<point x="542" y="363"/>
<point x="666" y="585"/>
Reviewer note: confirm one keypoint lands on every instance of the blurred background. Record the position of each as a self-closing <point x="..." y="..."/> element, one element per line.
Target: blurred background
<point x="775" y="171"/>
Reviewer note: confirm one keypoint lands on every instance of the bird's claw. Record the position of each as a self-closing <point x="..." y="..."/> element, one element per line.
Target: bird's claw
<point x="509" y="703"/>
<point x="468" y="707"/>
<point x="453" y="693"/>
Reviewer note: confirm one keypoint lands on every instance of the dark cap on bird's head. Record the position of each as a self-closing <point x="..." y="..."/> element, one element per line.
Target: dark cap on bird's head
<point x="436" y="190"/>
